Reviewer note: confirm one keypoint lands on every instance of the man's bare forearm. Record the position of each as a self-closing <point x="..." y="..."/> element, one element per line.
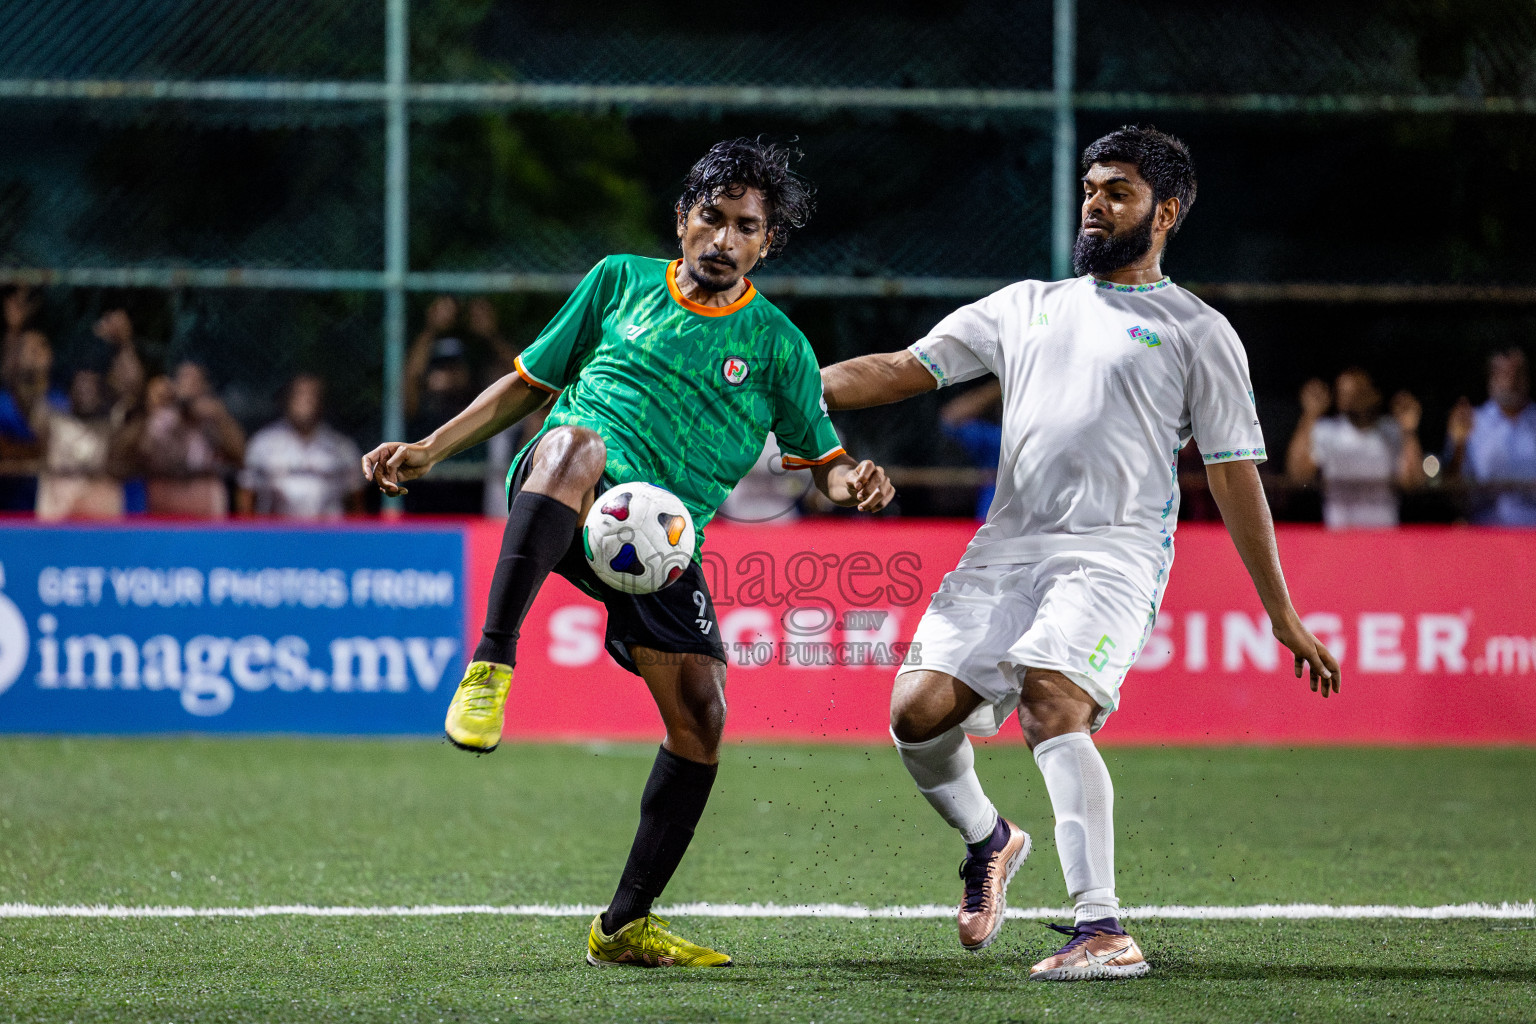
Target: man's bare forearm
<point x="832" y="480"/>
<point x="493" y="410"/>
<point x="1410" y="464"/>
<point x="849" y="483"/>
<point x="874" y="380"/>
<point x="1239" y="494"/>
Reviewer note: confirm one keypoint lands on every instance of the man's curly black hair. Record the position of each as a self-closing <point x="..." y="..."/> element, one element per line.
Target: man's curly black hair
<point x="735" y="165"/>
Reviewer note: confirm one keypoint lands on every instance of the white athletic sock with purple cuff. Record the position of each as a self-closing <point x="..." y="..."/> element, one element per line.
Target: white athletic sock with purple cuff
<point x="1084" y="800"/>
<point x="944" y="769"/>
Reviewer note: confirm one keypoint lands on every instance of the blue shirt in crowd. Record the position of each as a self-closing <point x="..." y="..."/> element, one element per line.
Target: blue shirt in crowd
<point x="1503" y="448"/>
<point x="18" y="493"/>
<point x="982" y="443"/>
<point x="13" y="425"/>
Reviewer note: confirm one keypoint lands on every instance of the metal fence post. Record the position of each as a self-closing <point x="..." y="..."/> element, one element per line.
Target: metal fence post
<point x="1064" y="189"/>
<point x="396" y="162"/>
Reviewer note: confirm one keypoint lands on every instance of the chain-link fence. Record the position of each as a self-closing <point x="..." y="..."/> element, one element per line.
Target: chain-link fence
<point x="229" y="166"/>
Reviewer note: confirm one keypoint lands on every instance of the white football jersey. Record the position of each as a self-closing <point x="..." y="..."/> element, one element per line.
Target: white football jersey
<point x="1359" y="470"/>
<point x="1102" y="385"/>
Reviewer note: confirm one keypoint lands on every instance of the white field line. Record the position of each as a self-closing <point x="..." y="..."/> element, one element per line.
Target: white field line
<point x="1257" y="912"/>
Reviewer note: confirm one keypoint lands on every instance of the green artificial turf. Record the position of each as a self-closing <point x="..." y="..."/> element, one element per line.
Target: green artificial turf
<point x="246" y="822"/>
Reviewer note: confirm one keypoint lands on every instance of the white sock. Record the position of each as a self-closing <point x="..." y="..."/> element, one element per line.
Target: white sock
<point x="944" y="769"/>
<point x="1084" y="799"/>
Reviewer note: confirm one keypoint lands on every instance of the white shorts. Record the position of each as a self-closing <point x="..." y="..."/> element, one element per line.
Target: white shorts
<point x="987" y="624"/>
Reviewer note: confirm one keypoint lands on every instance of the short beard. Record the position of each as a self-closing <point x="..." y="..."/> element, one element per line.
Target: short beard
<point x="1101" y="256"/>
<point x="707" y="283"/>
<point x="711" y="284"/>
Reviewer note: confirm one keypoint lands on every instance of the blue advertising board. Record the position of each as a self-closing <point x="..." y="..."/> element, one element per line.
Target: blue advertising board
<point x="172" y="629"/>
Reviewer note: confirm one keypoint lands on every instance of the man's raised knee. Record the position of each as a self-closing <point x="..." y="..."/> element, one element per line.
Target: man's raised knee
<point x="910" y="727"/>
<point x="570" y="456"/>
<point x="922" y="708"/>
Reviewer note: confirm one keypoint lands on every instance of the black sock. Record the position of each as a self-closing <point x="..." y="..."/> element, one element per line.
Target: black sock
<point x="674" y="800"/>
<point x="539" y="531"/>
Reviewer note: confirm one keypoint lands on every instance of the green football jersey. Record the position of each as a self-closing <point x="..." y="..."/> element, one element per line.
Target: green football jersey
<point x="683" y="395"/>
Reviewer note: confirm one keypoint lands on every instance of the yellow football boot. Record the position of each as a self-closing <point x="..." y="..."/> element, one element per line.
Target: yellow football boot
<point x="645" y="942"/>
<point x="479" y="706"/>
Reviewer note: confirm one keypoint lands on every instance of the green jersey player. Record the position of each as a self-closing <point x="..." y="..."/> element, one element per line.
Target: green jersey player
<point x="672" y="374"/>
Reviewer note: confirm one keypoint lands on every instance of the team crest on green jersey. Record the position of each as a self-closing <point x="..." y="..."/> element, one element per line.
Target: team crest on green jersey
<point x="735" y="371"/>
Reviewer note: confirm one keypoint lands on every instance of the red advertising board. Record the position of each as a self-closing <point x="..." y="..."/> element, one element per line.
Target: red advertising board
<point x="1435" y="629"/>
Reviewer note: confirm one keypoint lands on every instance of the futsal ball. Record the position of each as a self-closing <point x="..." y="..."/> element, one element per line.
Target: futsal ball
<point x="638" y="538"/>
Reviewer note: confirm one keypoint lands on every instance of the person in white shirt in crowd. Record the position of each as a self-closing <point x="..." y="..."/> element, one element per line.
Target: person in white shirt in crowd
<point x="86" y="444"/>
<point x="84" y="456"/>
<point x="301" y="466"/>
<point x="1104" y="379"/>
<point x="1494" y="445"/>
<point x="1366" y="460"/>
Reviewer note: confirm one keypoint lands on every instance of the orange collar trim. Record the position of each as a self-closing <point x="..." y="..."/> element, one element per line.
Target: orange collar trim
<point x="694" y="307"/>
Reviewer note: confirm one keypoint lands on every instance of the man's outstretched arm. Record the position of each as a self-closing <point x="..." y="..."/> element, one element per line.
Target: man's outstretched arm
<point x="1240" y="496"/>
<point x="876" y="379"/>
<point x="495" y="409"/>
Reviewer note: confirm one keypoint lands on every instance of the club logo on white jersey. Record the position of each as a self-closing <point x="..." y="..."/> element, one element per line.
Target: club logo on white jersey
<point x="1040" y="320"/>
<point x="1146" y="337"/>
<point x="633" y="331"/>
<point x="734" y="371"/>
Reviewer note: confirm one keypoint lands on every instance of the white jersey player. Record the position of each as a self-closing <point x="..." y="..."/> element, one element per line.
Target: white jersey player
<point x="1104" y="377"/>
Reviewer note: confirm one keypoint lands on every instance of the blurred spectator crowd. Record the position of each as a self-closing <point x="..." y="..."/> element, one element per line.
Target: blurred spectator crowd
<point x="118" y="435"/>
<point x="112" y="437"/>
<point x="1366" y="460"/>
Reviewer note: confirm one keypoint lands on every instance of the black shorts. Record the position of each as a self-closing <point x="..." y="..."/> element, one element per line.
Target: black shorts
<point x="677" y="619"/>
